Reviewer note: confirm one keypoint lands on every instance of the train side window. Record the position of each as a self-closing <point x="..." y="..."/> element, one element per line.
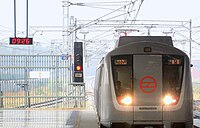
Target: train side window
<point x="172" y="74"/>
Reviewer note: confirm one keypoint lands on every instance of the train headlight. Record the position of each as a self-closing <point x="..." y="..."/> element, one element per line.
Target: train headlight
<point x="169" y="100"/>
<point x="127" y="100"/>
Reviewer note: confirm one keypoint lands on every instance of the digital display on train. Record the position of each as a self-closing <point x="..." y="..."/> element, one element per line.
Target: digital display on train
<point x="174" y="62"/>
<point x="120" y="62"/>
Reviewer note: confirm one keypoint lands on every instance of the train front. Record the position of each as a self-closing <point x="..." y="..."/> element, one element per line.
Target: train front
<point x="152" y="88"/>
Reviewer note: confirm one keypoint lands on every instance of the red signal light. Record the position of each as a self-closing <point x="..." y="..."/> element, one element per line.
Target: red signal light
<point x="78" y="68"/>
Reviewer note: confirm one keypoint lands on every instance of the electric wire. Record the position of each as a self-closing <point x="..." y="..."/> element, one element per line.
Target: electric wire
<point x="133" y="21"/>
<point x="103" y="8"/>
<point x="97" y="20"/>
<point x="110" y="19"/>
<point x="124" y="14"/>
<point x="99" y="3"/>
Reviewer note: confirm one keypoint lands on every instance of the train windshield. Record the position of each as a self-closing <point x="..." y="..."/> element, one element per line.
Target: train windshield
<point x="165" y="71"/>
<point x="172" y="76"/>
<point x="122" y="74"/>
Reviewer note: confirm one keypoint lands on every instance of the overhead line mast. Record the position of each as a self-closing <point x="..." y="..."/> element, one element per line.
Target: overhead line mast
<point x="66" y="43"/>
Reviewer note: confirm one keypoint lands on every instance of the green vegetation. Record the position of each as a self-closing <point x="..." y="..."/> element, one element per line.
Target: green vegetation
<point x="196" y="91"/>
<point x="196" y="95"/>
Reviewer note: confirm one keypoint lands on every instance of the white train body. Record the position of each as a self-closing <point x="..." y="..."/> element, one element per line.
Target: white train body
<point x="145" y="82"/>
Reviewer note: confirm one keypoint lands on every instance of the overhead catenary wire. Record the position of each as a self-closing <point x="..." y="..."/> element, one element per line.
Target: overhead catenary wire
<point x="110" y="19"/>
<point x="133" y="21"/>
<point x="102" y="8"/>
<point x="97" y="19"/>
<point x="106" y="3"/>
<point x="128" y="13"/>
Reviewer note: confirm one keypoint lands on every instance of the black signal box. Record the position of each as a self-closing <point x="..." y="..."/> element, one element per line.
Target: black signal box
<point x="78" y="62"/>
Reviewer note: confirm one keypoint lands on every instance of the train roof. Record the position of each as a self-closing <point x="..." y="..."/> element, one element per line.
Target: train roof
<point x="167" y="40"/>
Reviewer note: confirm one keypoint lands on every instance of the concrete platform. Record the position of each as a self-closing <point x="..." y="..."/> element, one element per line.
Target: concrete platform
<point x="48" y="119"/>
<point x="88" y="119"/>
<point x="196" y="123"/>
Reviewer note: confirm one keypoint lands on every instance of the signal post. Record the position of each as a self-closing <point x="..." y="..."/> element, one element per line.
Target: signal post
<point x="78" y="75"/>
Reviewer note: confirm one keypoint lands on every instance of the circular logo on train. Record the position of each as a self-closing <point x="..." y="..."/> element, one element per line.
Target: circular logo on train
<point x="148" y="84"/>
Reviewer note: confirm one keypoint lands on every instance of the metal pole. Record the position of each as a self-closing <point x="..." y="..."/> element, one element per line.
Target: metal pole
<point x="26" y="18"/>
<point x="84" y="46"/>
<point x="68" y="44"/>
<point x="66" y="24"/>
<point x="1" y="99"/>
<point x="26" y="88"/>
<point x="190" y="40"/>
<point x="15" y="18"/>
<point x="57" y="79"/>
<point x="26" y="95"/>
<point x="70" y="61"/>
<point x="84" y="96"/>
<point x="75" y="25"/>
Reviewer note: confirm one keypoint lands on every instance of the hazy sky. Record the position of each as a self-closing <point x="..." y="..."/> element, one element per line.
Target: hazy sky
<point x="170" y="9"/>
<point x="50" y="13"/>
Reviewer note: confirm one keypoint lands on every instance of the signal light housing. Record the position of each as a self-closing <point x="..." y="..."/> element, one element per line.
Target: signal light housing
<point x="78" y="62"/>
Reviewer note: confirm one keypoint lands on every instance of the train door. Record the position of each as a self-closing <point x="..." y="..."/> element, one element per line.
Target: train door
<point x="147" y="82"/>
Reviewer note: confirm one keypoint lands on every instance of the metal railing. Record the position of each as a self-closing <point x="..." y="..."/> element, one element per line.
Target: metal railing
<point x="27" y="81"/>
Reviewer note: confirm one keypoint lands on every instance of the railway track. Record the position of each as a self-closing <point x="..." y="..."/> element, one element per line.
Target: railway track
<point x="196" y="115"/>
<point x="45" y="103"/>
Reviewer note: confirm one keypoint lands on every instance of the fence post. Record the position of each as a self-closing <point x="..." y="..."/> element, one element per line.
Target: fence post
<point x="1" y="99"/>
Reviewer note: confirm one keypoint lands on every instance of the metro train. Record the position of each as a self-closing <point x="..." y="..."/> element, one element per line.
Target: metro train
<point x="145" y="82"/>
